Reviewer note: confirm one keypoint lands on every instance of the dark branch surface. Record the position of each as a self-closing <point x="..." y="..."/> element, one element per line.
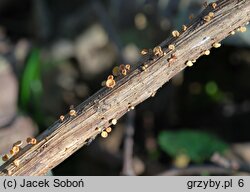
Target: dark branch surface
<point x="62" y="139"/>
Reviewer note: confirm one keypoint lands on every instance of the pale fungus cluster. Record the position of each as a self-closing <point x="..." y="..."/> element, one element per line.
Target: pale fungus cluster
<point x="189" y="63"/>
<point x="206" y="52"/>
<point x="117" y="70"/>
<point x="108" y="129"/>
<point x="16" y="162"/>
<point x="184" y="27"/>
<point x="16" y="148"/>
<point x="113" y="121"/>
<point x="62" y="118"/>
<point x="171" y="47"/>
<point x="213" y="5"/>
<point x="121" y="70"/>
<point x="144" y="67"/>
<point x="232" y="33"/>
<point x="175" y="33"/>
<point x="31" y="140"/>
<point x="72" y="112"/>
<point x="242" y="29"/>
<point x="105" y="132"/>
<point x="158" y="51"/>
<point x="110" y="82"/>
<point x="216" y="45"/>
<point x="144" y="51"/>
<point x="208" y="17"/>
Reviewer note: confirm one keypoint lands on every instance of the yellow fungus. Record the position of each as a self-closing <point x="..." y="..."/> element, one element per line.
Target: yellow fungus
<point x="110" y="77"/>
<point x="127" y="67"/>
<point x="214" y="5"/>
<point x="5" y="157"/>
<point x="122" y="67"/>
<point x="115" y="71"/>
<point x="124" y="72"/>
<point x="171" y="47"/>
<point x="104" y="134"/>
<point x="184" y="27"/>
<point x="30" y="140"/>
<point x="15" y="149"/>
<point x="108" y="129"/>
<point x="144" y="51"/>
<point x="16" y="162"/>
<point x="189" y="63"/>
<point x="243" y="29"/>
<point x="175" y="33"/>
<point x="158" y="51"/>
<point x="62" y="118"/>
<point x="211" y="14"/>
<point x="114" y="121"/>
<point x="110" y="83"/>
<point x="232" y="32"/>
<point x="72" y="112"/>
<point x="12" y="152"/>
<point x="216" y="45"/>
<point x="207" y="18"/>
<point x="207" y="52"/>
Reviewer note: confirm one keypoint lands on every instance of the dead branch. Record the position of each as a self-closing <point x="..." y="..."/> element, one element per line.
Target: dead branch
<point x="63" y="138"/>
<point x="128" y="169"/>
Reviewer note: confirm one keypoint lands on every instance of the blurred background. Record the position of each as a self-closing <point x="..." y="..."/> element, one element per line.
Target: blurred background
<point x="56" y="53"/>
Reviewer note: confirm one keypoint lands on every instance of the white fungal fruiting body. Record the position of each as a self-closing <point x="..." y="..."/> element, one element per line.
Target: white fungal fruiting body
<point x="104" y="134"/>
<point x="216" y="45"/>
<point x="114" y="121"/>
<point x="189" y="63"/>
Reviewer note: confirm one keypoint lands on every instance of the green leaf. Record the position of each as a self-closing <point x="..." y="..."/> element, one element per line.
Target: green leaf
<point x="197" y="145"/>
<point x="31" y="84"/>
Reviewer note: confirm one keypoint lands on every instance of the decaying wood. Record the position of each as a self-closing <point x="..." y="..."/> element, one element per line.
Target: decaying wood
<point x="63" y="138"/>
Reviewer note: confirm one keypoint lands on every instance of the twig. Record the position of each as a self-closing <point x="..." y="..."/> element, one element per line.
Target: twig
<point x="128" y="145"/>
<point x="63" y="138"/>
<point x="229" y="164"/>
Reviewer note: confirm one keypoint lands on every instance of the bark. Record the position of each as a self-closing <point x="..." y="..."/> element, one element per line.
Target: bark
<point x="63" y="138"/>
